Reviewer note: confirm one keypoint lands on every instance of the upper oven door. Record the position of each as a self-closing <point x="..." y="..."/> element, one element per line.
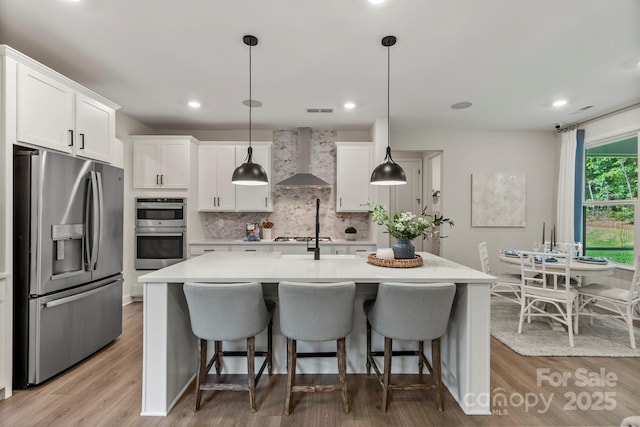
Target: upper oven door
<point x="160" y="214"/>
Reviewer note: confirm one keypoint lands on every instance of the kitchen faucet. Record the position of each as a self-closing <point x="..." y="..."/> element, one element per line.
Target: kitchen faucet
<point x="316" y="249"/>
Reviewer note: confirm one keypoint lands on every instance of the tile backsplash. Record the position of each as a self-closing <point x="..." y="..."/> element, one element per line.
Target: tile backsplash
<point x="294" y="209"/>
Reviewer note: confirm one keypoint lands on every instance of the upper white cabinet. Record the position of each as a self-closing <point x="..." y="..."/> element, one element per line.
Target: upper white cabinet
<point x="216" y="163"/>
<point x="354" y="166"/>
<point x="52" y="114"/>
<point x="161" y="161"/>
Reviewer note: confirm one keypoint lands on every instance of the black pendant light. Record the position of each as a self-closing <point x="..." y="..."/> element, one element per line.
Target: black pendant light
<point x="388" y="172"/>
<point x="250" y="173"/>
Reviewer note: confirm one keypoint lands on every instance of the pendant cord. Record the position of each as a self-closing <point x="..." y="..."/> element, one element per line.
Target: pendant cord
<point x="250" y="99"/>
<point x="388" y="95"/>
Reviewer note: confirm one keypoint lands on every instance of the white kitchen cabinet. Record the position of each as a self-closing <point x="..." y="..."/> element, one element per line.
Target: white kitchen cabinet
<point x="5" y="341"/>
<point x="197" y="250"/>
<point x="250" y="248"/>
<point x="254" y="198"/>
<point x="354" y="165"/>
<point x="161" y="162"/>
<point x="362" y="251"/>
<point x="52" y="114"/>
<point x="216" y="163"/>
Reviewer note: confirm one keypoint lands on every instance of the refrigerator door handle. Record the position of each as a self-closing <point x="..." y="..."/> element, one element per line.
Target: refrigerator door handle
<point x="76" y="297"/>
<point x="100" y="232"/>
<point x="95" y="225"/>
<point x="87" y="215"/>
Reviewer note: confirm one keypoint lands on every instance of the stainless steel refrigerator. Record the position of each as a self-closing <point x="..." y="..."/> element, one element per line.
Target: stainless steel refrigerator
<point x="67" y="216"/>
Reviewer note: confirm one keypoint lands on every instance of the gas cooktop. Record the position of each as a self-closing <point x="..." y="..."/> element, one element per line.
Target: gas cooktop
<point x="300" y="239"/>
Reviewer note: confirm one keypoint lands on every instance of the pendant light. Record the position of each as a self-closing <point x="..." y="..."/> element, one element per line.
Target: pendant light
<point x="388" y="172"/>
<point x="250" y="173"/>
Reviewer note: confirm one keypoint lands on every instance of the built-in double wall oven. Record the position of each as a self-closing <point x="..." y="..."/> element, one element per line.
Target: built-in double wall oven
<point x="161" y="231"/>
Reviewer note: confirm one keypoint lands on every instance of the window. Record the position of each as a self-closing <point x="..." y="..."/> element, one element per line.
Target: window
<point x="610" y="201"/>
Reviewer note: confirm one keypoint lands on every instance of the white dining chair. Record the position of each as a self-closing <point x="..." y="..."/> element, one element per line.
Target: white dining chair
<point x="571" y="248"/>
<point x="507" y="286"/>
<point x="551" y="287"/>
<point x="621" y="304"/>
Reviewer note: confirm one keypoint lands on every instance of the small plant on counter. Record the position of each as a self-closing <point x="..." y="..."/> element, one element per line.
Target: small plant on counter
<point x="407" y="225"/>
<point x="350" y="233"/>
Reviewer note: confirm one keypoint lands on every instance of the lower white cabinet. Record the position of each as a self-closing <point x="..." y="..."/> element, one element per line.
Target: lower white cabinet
<point x="360" y="250"/>
<point x="197" y="250"/>
<point x="251" y="248"/>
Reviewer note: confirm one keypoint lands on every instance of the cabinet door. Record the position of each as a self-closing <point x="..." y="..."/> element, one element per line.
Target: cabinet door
<point x="362" y="251"/>
<point x="353" y="174"/>
<point x="95" y="128"/>
<point x="215" y="167"/>
<point x="173" y="169"/>
<point x="44" y="111"/>
<point x="146" y="155"/>
<point x="254" y="198"/>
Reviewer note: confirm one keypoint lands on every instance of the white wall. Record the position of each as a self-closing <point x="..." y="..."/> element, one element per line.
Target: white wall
<point x="126" y="126"/>
<point x="465" y="152"/>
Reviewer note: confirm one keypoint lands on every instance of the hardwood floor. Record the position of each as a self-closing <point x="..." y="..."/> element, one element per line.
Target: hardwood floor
<point x="106" y="391"/>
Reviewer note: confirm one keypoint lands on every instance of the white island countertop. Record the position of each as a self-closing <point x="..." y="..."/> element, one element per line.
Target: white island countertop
<point x="275" y="267"/>
<point x="170" y="348"/>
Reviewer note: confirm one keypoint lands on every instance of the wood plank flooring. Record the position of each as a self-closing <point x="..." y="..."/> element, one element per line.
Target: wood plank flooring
<point x="105" y="390"/>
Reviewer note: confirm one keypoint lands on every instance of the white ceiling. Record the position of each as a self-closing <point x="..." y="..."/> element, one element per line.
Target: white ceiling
<point x="510" y="58"/>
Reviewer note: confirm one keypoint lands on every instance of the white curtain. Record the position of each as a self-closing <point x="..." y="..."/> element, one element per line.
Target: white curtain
<point x="566" y="184"/>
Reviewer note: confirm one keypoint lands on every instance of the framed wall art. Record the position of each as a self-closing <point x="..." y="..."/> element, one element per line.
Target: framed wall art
<point x="498" y="199"/>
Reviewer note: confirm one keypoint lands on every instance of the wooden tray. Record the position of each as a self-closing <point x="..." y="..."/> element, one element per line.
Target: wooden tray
<point x="395" y="263"/>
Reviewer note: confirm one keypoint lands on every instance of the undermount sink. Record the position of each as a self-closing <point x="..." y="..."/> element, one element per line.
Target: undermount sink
<point x="322" y="256"/>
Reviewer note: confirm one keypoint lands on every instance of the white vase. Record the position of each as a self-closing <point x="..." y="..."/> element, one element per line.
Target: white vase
<point x="350" y="236"/>
<point x="266" y="234"/>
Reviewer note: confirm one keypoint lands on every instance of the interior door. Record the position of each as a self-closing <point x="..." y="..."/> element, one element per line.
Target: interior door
<point x="408" y="197"/>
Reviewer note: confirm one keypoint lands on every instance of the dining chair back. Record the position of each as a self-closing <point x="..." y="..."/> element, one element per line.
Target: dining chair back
<point x="506" y="286"/>
<point x="547" y="290"/>
<point x="621" y="304"/>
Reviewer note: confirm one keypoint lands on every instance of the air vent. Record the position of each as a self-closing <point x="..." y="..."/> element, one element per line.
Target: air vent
<point x="580" y="110"/>
<point x="319" y="110"/>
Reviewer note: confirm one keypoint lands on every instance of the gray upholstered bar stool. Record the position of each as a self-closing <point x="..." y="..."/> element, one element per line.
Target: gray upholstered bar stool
<point x="228" y="312"/>
<point x="413" y="312"/>
<point x="316" y="312"/>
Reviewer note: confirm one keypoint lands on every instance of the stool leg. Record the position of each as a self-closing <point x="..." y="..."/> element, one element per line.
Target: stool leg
<point x="342" y="373"/>
<point x="437" y="373"/>
<point x="218" y="353"/>
<point x="421" y="351"/>
<point x="388" y="348"/>
<point x="291" y="373"/>
<point x="368" y="347"/>
<point x="270" y="347"/>
<point x="202" y="365"/>
<point x="251" y="374"/>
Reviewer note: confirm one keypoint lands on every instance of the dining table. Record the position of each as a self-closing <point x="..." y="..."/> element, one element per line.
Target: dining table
<point x="576" y="267"/>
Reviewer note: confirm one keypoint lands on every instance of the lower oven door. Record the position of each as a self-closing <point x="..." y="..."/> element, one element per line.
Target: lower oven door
<point x="158" y="247"/>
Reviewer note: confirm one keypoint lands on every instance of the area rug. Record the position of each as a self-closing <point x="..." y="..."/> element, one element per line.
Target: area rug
<point x="606" y="337"/>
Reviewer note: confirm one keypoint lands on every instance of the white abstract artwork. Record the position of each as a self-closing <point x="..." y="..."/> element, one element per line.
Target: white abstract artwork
<point x="498" y="199"/>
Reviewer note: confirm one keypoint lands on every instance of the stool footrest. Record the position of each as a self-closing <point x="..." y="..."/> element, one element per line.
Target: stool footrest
<point x="397" y="353"/>
<point x="243" y="353"/>
<point x="317" y="354"/>
<point x="316" y="388"/>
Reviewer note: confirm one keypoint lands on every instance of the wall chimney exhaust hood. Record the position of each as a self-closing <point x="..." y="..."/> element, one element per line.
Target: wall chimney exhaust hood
<point x="303" y="179"/>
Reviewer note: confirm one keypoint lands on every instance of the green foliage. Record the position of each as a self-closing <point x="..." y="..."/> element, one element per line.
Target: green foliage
<point x="407" y="225"/>
<point x="350" y="230"/>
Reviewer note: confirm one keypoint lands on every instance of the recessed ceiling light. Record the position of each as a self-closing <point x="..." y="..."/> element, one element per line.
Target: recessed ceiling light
<point x="461" y="105"/>
<point x="560" y="103"/>
<point x="252" y="103"/>
<point x="376" y="1"/>
<point x="194" y="104"/>
<point x="349" y="105"/>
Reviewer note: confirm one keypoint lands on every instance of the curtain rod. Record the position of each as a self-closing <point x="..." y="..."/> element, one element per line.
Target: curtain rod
<point x="602" y="116"/>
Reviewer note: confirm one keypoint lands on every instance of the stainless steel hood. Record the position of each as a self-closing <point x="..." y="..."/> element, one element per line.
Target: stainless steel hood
<point x="303" y="179"/>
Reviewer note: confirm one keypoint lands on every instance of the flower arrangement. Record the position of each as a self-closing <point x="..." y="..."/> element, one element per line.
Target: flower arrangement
<point x="407" y="225"/>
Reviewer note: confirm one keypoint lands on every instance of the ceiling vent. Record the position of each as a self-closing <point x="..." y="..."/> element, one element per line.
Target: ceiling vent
<point x="580" y="110"/>
<point x="319" y="110"/>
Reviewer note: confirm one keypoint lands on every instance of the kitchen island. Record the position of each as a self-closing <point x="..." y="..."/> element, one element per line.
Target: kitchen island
<point x="170" y="348"/>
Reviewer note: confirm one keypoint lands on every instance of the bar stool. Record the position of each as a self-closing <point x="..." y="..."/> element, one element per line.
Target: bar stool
<point x="414" y="312"/>
<point x="227" y="312"/>
<point x="316" y="312"/>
